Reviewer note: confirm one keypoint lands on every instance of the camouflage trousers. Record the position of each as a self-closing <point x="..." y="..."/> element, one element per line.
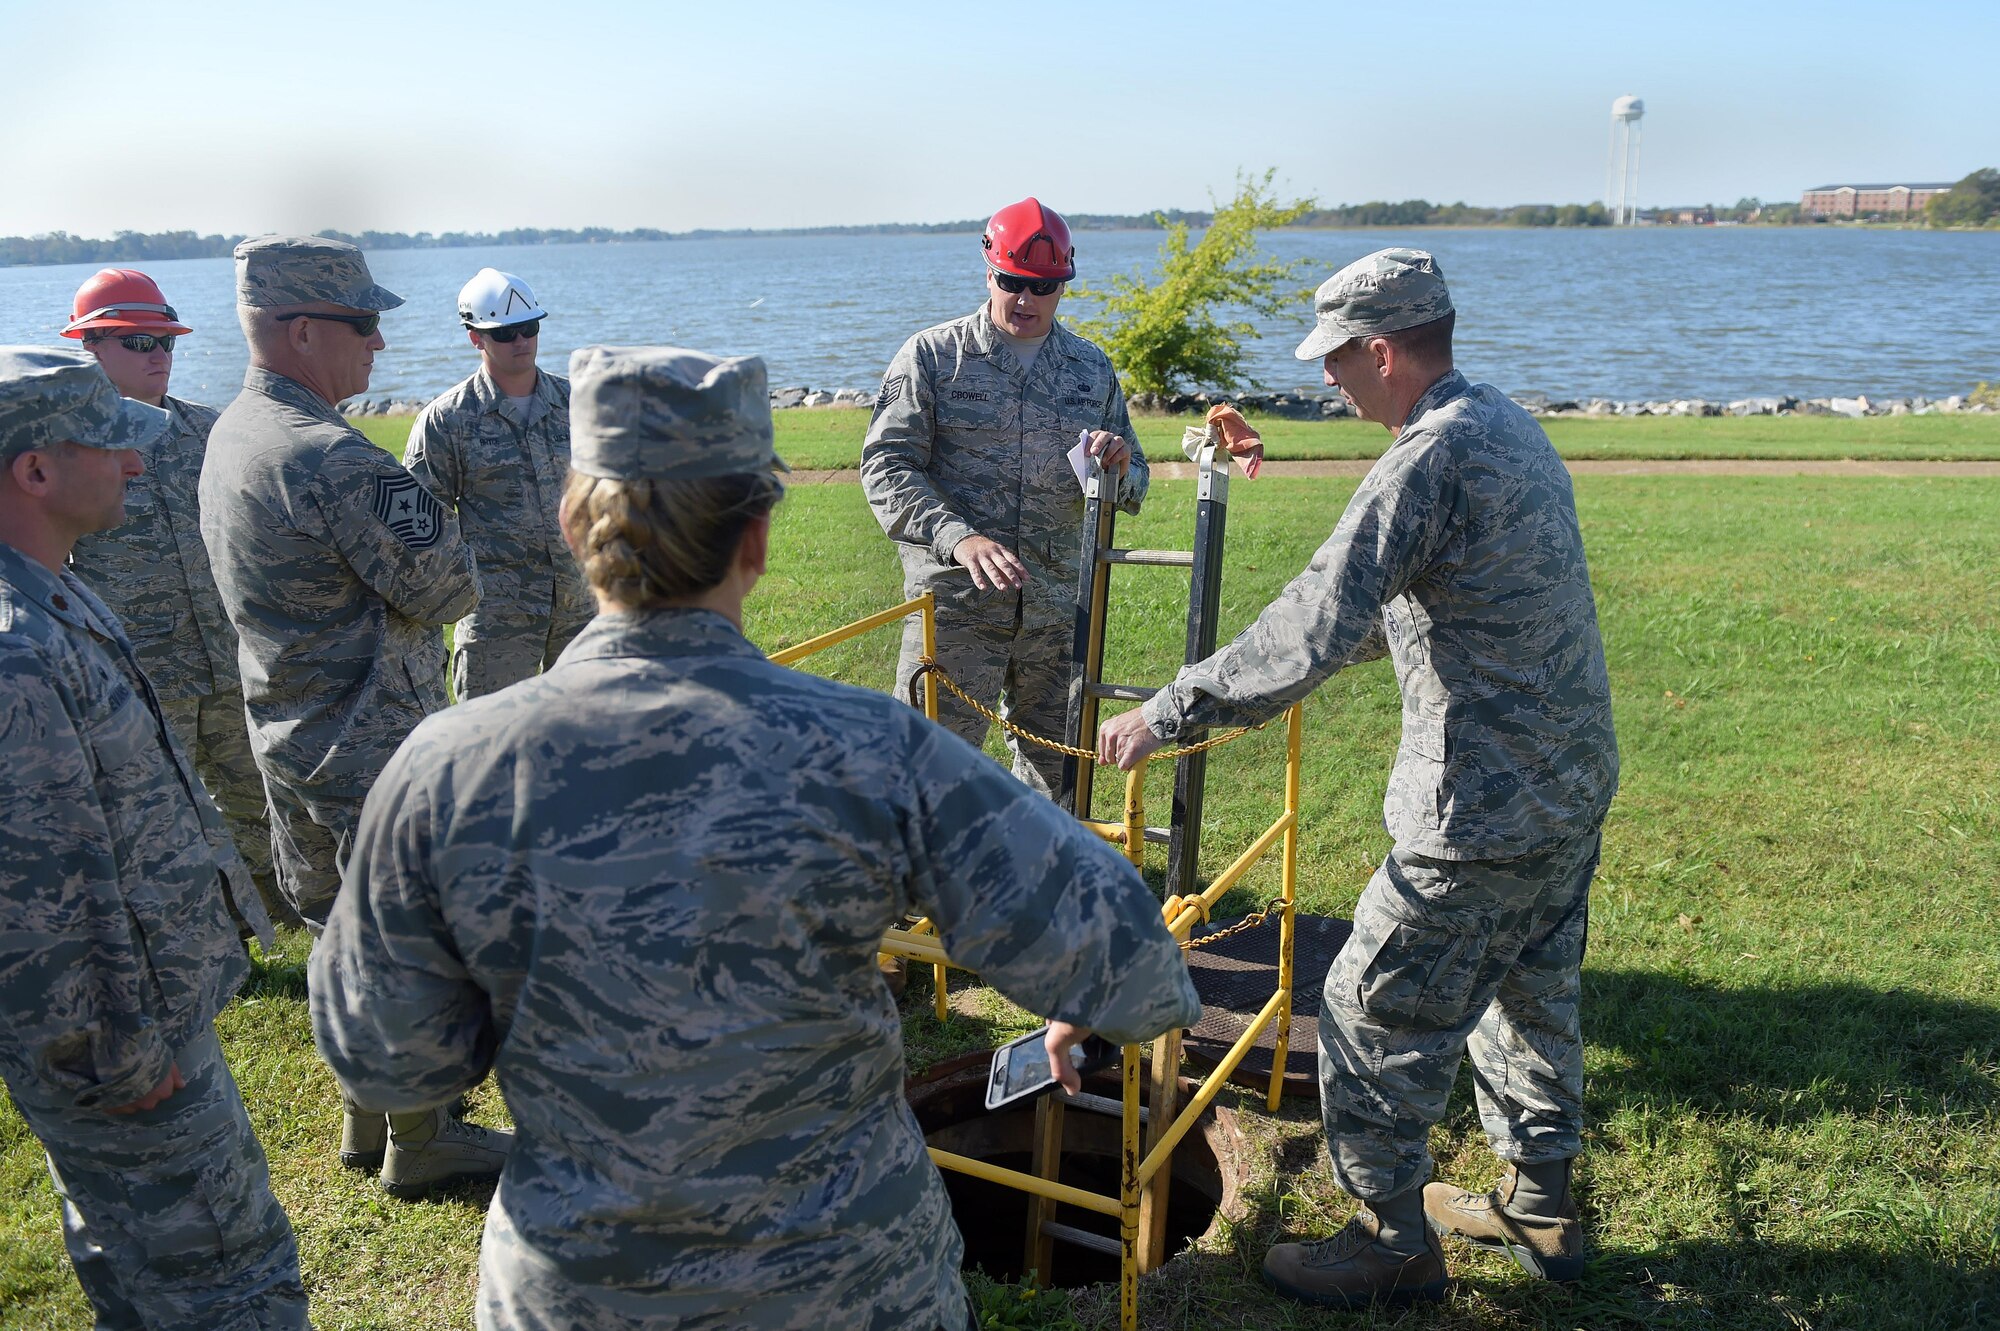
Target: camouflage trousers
<point x="168" y="1214"/>
<point x="1024" y="671"/>
<point x="491" y="651"/>
<point x="311" y="838"/>
<point x="1451" y="956"/>
<point x="216" y="734"/>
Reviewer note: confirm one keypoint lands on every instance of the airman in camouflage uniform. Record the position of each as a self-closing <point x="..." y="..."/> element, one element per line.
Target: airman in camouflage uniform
<point x="495" y="449"/>
<point x="677" y="988"/>
<point x="337" y="568"/>
<point x="968" y="451"/>
<point x="1461" y="547"/>
<point x="121" y="900"/>
<point x="153" y="572"/>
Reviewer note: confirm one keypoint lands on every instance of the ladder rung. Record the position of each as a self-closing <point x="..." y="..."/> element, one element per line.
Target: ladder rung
<point x="1096" y="1104"/>
<point x="1160" y="836"/>
<point x="1082" y="1238"/>
<point x="1155" y="558"/>
<point x="1119" y="692"/>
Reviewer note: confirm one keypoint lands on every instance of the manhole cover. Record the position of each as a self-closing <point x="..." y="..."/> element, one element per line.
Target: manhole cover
<point x="1235" y="978"/>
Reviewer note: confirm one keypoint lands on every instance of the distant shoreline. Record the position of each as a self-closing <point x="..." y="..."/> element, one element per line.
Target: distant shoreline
<point x="59" y="248"/>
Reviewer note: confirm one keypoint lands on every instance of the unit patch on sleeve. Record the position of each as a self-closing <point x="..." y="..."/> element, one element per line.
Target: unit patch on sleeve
<point x="406" y="508"/>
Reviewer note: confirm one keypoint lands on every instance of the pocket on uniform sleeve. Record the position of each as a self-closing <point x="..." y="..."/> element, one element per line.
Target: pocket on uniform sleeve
<point x="1424" y="735"/>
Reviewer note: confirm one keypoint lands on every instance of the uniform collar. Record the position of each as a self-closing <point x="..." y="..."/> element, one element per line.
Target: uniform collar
<point x="986" y="340"/>
<point x="649" y="633"/>
<point x="492" y="401"/>
<point x="292" y="393"/>
<point x="1450" y="384"/>
<point x="178" y="409"/>
<point x="55" y="594"/>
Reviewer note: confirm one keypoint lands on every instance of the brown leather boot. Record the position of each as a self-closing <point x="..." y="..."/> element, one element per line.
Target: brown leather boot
<point x="1548" y="1247"/>
<point x="1351" y="1270"/>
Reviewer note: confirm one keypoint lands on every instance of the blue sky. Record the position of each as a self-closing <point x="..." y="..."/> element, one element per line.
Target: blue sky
<point x="417" y="116"/>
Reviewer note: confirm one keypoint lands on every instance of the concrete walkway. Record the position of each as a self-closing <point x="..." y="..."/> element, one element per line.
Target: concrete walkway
<point x="1185" y="471"/>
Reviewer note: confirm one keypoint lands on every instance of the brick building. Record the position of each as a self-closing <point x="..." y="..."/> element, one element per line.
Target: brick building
<point x="1869" y="200"/>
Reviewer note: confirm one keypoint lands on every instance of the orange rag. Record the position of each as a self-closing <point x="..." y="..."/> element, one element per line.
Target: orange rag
<point x="1243" y="443"/>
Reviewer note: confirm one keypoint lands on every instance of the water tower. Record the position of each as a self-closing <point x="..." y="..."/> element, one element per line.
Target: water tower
<point x="1621" y="173"/>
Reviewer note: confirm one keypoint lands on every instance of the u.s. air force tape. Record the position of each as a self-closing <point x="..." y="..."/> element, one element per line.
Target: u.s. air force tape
<point x="407" y="509"/>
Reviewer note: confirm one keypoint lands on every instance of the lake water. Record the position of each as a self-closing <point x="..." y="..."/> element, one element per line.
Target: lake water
<point x="1716" y="313"/>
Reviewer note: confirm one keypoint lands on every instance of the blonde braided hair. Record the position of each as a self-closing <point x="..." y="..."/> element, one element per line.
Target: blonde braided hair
<point x="648" y="543"/>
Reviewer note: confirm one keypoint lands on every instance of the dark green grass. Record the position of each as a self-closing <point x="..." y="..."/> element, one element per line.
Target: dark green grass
<point x="1794" y="1035"/>
<point x="830" y="438"/>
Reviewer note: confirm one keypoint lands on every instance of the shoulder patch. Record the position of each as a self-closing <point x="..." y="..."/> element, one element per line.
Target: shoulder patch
<point x="891" y="390"/>
<point x="406" y="508"/>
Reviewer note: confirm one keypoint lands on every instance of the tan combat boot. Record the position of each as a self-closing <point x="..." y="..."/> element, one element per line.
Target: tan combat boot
<point x="431" y="1149"/>
<point x="364" y="1137"/>
<point x="1351" y="1270"/>
<point x="1549" y="1247"/>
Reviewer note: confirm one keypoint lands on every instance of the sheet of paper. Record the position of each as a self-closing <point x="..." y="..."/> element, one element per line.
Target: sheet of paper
<point x="1079" y="461"/>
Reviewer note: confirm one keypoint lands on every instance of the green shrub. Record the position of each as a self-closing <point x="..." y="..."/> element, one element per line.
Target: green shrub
<point x="1166" y="335"/>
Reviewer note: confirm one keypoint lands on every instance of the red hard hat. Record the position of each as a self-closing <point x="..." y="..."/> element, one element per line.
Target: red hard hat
<point x="122" y="298"/>
<point x="1028" y="240"/>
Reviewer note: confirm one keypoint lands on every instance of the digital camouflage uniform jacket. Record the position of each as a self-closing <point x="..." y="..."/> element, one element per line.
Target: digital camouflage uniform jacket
<point x="337" y="568"/>
<point x="962" y="444"/>
<point x="647" y="888"/>
<point x="152" y="569"/>
<point x="1463" y="538"/>
<point x="120" y="891"/>
<point x="505" y="475"/>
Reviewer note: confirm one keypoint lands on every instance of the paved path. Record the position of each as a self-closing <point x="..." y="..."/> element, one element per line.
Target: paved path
<point x="1184" y="471"/>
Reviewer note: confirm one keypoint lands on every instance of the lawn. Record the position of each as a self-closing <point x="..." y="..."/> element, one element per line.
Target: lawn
<point x="1793" y="1031"/>
<point x="828" y="438"/>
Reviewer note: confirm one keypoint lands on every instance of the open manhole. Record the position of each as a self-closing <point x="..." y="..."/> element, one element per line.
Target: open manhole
<point x="950" y="1106"/>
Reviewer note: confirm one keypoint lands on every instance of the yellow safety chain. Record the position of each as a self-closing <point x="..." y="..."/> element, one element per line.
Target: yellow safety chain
<point x="1250" y="921"/>
<point x="927" y="666"/>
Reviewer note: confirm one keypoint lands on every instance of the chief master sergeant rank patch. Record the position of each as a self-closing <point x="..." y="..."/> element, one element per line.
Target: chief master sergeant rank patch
<point x="406" y="508"/>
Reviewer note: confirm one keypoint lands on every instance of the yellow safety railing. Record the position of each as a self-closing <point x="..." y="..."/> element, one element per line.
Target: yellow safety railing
<point x="1140" y="1205"/>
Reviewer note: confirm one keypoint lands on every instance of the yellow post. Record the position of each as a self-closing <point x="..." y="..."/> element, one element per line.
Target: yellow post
<point x="1287" y="924"/>
<point x="1128" y="1198"/>
<point x="929" y="614"/>
<point x="1135" y="815"/>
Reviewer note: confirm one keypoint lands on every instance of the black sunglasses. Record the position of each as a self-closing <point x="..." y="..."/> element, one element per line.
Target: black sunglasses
<point x="1014" y="286"/>
<point x="364" y="324"/>
<point x="140" y="342"/>
<point x="530" y="329"/>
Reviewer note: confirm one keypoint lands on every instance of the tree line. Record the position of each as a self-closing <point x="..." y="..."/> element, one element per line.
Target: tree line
<point x="140" y="246"/>
<point x="1973" y="201"/>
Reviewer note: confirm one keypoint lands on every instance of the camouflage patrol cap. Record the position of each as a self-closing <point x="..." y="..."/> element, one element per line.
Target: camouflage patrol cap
<point x="667" y="413"/>
<point x="302" y="270"/>
<point x="1385" y="292"/>
<point x="52" y="395"/>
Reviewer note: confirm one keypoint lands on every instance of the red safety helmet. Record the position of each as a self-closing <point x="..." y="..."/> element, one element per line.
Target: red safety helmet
<point x="1028" y="240"/>
<point x="122" y="298"/>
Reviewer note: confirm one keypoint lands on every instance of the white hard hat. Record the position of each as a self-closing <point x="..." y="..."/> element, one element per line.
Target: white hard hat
<point x="493" y="299"/>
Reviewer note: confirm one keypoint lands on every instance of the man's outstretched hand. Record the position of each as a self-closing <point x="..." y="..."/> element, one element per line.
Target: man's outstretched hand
<point x="993" y="566"/>
<point x="1125" y="739"/>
